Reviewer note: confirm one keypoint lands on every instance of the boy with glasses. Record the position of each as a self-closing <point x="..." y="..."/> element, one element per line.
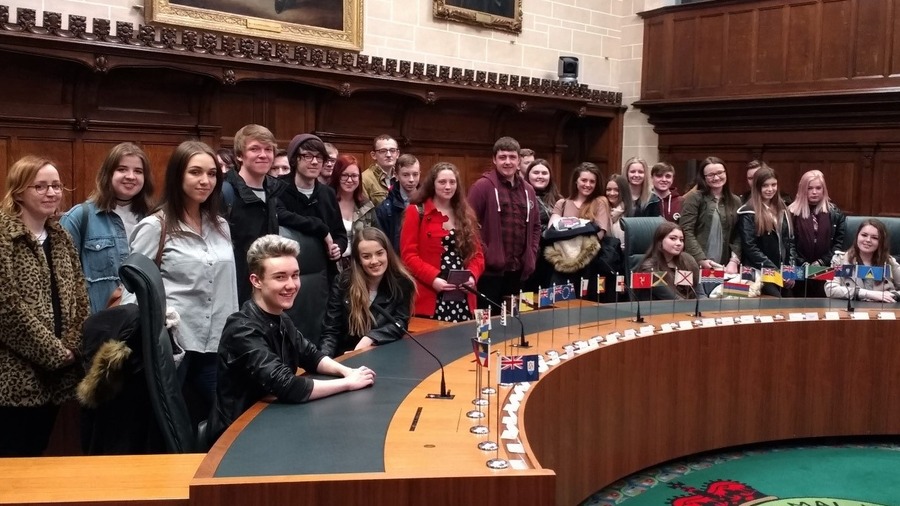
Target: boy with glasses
<point x="328" y="165"/>
<point x="378" y="178"/>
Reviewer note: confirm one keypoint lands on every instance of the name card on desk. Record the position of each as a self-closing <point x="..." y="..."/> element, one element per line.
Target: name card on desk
<point x="510" y="434"/>
<point x="612" y="338"/>
<point x="812" y="316"/>
<point x="510" y="420"/>
<point x="515" y="448"/>
<point x="727" y="320"/>
<point x="887" y="315"/>
<point x="630" y="334"/>
<point x="518" y="464"/>
<point x="747" y="318"/>
<point x="831" y="315"/>
<point x="766" y="319"/>
<point x="685" y="325"/>
<point x="795" y="317"/>
<point x="860" y="315"/>
<point x="647" y="330"/>
<point x="667" y="327"/>
<point x="708" y="322"/>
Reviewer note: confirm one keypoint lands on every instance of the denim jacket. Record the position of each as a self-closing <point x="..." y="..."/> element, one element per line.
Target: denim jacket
<point x="102" y="250"/>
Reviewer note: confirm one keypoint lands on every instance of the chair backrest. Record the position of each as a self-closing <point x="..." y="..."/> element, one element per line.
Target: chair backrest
<point x="142" y="278"/>
<point x="638" y="238"/>
<point x="892" y="225"/>
<point x="308" y="310"/>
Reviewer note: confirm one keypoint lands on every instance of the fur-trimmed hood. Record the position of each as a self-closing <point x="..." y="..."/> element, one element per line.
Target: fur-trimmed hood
<point x="573" y="254"/>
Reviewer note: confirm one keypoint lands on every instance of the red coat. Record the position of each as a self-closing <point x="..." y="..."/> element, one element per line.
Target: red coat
<point x="421" y="250"/>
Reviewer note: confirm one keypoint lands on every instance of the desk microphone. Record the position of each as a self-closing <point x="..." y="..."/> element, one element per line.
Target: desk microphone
<point x="637" y="317"/>
<point x="850" y="308"/>
<point x="522" y="342"/>
<point x="697" y="313"/>
<point x="445" y="394"/>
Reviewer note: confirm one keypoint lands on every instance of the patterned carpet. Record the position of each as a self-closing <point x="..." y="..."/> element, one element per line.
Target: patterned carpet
<point x="858" y="474"/>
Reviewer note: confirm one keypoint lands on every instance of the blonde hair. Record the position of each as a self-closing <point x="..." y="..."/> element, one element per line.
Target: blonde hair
<point x="19" y="177"/>
<point x="253" y="133"/>
<point x="644" y="197"/>
<point x="800" y="206"/>
<point x="269" y="246"/>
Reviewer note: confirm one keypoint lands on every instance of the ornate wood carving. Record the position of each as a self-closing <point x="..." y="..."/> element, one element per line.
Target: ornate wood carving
<point x="185" y="43"/>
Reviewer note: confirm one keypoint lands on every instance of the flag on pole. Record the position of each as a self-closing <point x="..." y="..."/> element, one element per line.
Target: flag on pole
<point x="716" y="276"/>
<point x="659" y="278"/>
<point x="518" y="368"/>
<point x="735" y="289"/>
<point x="684" y="278"/>
<point x="748" y="273"/>
<point x="770" y="275"/>
<point x="564" y="292"/>
<point x="792" y="272"/>
<point x="820" y="272"/>
<point x="601" y="284"/>
<point x="641" y="280"/>
<point x="502" y="313"/>
<point x="620" y="284"/>
<point x="482" y="351"/>
<point x="584" y="288"/>
<point x="869" y="272"/>
<point x="846" y="271"/>
<point x="545" y="297"/>
<point x="526" y="301"/>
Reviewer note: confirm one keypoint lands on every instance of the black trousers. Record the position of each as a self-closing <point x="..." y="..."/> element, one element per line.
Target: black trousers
<point x="25" y="431"/>
<point x="499" y="287"/>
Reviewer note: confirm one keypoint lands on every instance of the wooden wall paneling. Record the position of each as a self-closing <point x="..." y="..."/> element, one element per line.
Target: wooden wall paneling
<point x="656" y="63"/>
<point x="6" y="160"/>
<point x="294" y="110"/>
<point x="871" y="41"/>
<point x="159" y="97"/>
<point x="239" y="105"/>
<point x="770" y="45"/>
<point x="885" y="176"/>
<point x="30" y="90"/>
<point x="739" y="49"/>
<point x="683" y="54"/>
<point x="710" y="47"/>
<point x="363" y="115"/>
<point x="834" y="57"/>
<point x="894" y="40"/>
<point x="802" y="41"/>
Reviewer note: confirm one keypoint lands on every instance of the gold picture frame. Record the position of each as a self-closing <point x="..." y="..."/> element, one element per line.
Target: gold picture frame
<point x="503" y="15"/>
<point x="329" y="23"/>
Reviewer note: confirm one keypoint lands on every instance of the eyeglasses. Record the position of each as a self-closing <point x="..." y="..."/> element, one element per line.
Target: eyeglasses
<point x="310" y="157"/>
<point x="331" y="161"/>
<point x="41" y="188"/>
<point x="384" y="151"/>
<point x="715" y="175"/>
<point x="349" y="177"/>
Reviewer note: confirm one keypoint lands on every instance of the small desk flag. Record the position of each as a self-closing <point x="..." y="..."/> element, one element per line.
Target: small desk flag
<point x="519" y="368"/>
<point x="482" y="351"/>
<point x="641" y="280"/>
<point x="684" y="278"/>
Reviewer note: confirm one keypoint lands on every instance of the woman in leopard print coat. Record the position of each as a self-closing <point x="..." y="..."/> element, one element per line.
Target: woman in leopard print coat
<point x="43" y="304"/>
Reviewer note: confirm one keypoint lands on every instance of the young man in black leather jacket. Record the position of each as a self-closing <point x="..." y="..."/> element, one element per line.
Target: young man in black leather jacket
<point x="260" y="349"/>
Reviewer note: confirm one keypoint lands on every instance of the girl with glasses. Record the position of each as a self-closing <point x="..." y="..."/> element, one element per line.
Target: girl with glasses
<point x="44" y="305"/>
<point x="709" y="219"/>
<point x="357" y="210"/>
<point x="100" y="226"/>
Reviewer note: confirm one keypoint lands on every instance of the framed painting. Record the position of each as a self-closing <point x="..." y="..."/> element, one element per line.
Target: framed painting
<point x="503" y="15"/>
<point x="328" y="23"/>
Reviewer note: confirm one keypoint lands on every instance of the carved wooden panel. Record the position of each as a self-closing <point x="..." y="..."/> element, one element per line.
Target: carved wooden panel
<point x="789" y="46"/>
<point x="835" y="59"/>
<point x="884" y="195"/>
<point x="33" y="91"/>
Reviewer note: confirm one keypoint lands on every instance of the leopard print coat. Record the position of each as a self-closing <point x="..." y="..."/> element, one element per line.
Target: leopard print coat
<point x="31" y="357"/>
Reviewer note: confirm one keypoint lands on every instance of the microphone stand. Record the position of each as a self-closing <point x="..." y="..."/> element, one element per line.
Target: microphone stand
<point x="445" y="393"/>
<point x="637" y="317"/>
<point x="522" y="342"/>
<point x="697" y="313"/>
<point x="850" y="308"/>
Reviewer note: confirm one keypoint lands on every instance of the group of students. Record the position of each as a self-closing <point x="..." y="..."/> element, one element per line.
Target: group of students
<point x="213" y="232"/>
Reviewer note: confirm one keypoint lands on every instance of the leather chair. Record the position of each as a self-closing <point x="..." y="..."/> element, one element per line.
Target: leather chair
<point x="141" y="277"/>
<point x="638" y="239"/>
<point x="308" y="310"/>
<point x="892" y="225"/>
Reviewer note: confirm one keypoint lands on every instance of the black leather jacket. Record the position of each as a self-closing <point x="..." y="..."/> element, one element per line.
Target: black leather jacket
<point x="336" y="339"/>
<point x="771" y="250"/>
<point x="259" y="355"/>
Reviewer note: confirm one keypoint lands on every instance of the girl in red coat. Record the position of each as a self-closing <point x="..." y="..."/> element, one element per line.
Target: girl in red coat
<point x="440" y="234"/>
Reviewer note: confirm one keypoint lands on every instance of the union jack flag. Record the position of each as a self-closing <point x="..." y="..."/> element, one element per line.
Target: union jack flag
<point x="515" y="369"/>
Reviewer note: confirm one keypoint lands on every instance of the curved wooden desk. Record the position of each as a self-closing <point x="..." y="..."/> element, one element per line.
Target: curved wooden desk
<point x="594" y="419"/>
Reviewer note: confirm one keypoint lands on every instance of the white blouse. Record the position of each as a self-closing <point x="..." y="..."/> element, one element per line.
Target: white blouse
<point x="199" y="277"/>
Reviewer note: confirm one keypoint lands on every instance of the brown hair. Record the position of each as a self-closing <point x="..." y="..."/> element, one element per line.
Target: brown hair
<point x="882" y="254"/>
<point x="768" y="218"/>
<point x="20" y="175"/>
<point x="104" y="197"/>
<point x="466" y="224"/>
